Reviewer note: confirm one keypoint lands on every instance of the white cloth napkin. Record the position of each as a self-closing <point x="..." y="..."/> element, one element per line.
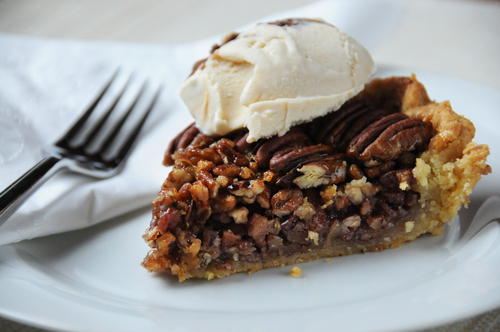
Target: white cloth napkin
<point x="46" y="84"/>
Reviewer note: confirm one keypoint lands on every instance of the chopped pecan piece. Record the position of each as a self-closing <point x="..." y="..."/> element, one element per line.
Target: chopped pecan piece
<point x="178" y="177"/>
<point x="223" y="203"/>
<point x="375" y="222"/>
<point x="264" y="198"/>
<point x="195" y="155"/>
<point x="200" y="141"/>
<point x="230" y="239"/>
<point x="248" y="189"/>
<point x="286" y="201"/>
<point x="165" y="243"/>
<point x="260" y="226"/>
<point x="200" y="195"/>
<point x="208" y="181"/>
<point x="305" y="211"/>
<point x="240" y="215"/>
<point x="228" y="170"/>
<point x="401" y="178"/>
<point x="180" y="142"/>
<point x="225" y="148"/>
<point x="169" y="220"/>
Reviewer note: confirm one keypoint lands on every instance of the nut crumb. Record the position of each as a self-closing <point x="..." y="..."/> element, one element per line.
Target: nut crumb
<point x="328" y="260"/>
<point x="296" y="272"/>
<point x="409" y="226"/>
<point x="313" y="236"/>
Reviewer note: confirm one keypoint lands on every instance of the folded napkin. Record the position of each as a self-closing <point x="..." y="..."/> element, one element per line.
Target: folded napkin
<point x="46" y="84"/>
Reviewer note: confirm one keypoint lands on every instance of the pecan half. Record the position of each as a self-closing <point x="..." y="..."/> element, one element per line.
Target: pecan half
<point x="320" y="173"/>
<point x="359" y="143"/>
<point x="321" y="127"/>
<point x="389" y="137"/>
<point x="340" y="137"/>
<point x="403" y="136"/>
<point x="350" y="129"/>
<point x="287" y="179"/>
<point x="180" y="142"/>
<point x="265" y="152"/>
<point x="289" y="158"/>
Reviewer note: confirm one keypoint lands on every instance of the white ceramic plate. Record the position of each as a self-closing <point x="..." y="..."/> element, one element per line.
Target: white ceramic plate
<point x="91" y="279"/>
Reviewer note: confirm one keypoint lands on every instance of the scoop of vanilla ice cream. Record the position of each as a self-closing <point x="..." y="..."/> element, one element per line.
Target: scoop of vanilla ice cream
<point x="275" y="76"/>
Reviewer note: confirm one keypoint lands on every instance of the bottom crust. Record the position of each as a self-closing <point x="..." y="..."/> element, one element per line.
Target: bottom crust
<point x="391" y="240"/>
<point x="194" y="233"/>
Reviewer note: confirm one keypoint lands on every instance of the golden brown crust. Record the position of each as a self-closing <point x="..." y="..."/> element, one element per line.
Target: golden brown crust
<point x="452" y="165"/>
<point x="401" y="93"/>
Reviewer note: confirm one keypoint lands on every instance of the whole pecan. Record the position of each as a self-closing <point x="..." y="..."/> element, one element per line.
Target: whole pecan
<point x="340" y="137"/>
<point x="265" y="151"/>
<point x="288" y="179"/>
<point x="403" y="136"/>
<point x="320" y="173"/>
<point x="390" y="137"/>
<point x="321" y="127"/>
<point x="347" y="130"/>
<point x="180" y="142"/>
<point x="359" y="143"/>
<point x="289" y="158"/>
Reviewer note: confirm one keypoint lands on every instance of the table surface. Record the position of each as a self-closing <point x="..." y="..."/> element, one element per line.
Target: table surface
<point x="459" y="38"/>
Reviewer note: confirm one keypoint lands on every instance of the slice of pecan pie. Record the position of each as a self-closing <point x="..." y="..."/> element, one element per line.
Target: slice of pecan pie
<point x="387" y="167"/>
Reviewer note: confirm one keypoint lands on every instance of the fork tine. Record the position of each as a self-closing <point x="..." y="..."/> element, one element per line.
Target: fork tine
<point x="64" y="141"/>
<point x="98" y="127"/>
<point x="135" y="132"/>
<point x="120" y="123"/>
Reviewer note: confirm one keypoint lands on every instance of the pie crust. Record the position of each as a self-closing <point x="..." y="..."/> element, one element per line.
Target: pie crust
<point x="389" y="166"/>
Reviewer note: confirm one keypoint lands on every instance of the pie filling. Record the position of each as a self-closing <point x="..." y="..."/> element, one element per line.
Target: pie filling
<point x="388" y="166"/>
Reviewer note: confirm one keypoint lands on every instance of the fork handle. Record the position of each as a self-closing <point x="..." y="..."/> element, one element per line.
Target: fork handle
<point x="15" y="195"/>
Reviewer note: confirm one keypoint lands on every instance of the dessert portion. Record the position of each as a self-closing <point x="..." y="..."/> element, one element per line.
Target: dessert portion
<point x="380" y="169"/>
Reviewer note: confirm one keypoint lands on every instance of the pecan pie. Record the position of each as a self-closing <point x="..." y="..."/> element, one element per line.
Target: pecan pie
<point x="387" y="167"/>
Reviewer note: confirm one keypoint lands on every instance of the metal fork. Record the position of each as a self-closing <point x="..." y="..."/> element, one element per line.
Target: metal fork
<point x="64" y="155"/>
